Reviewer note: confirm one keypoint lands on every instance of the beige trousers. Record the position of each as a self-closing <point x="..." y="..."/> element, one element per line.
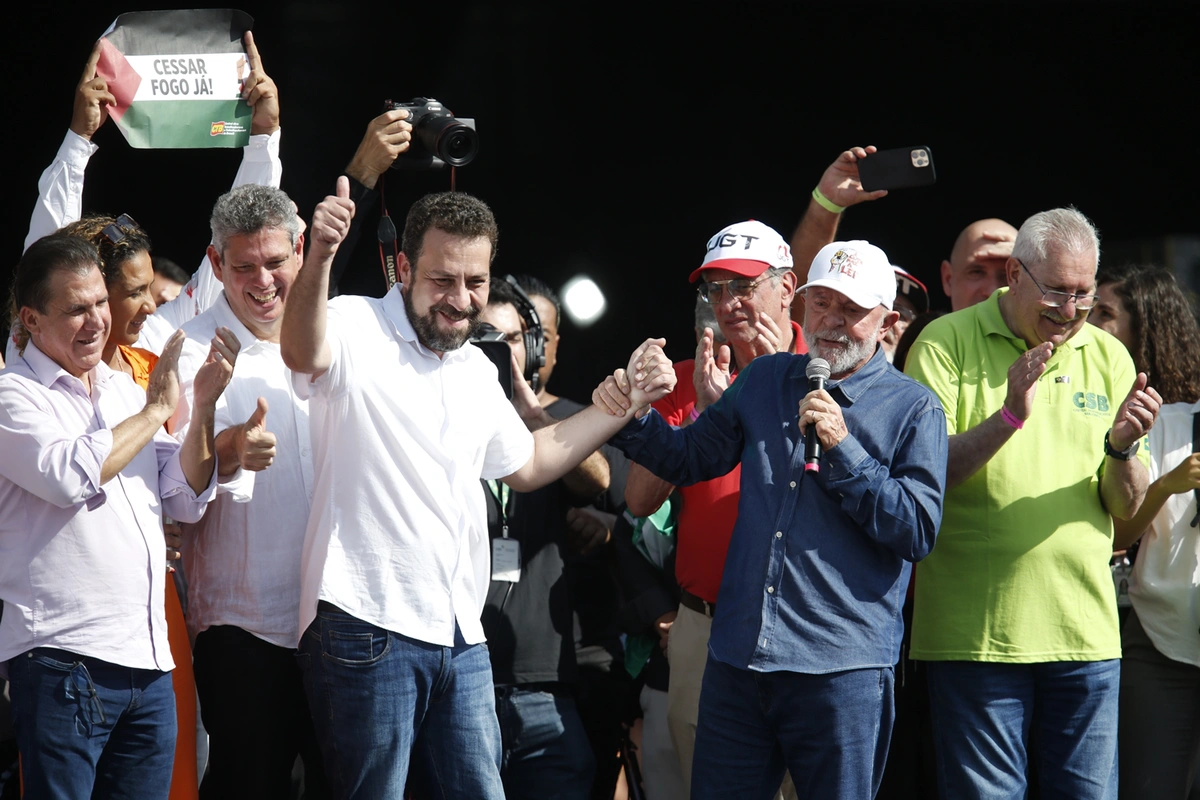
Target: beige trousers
<point x="687" y="652"/>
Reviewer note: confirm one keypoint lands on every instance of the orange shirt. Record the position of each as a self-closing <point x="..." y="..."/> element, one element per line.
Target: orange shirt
<point x="142" y="361"/>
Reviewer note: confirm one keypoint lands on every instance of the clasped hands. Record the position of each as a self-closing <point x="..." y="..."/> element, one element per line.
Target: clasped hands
<point x="648" y="377"/>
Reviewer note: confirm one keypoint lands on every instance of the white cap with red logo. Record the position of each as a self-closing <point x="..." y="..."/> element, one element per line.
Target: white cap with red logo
<point x="857" y="269"/>
<point x="746" y="248"/>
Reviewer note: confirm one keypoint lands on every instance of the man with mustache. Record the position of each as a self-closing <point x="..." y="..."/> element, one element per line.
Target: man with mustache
<point x="1015" y="610"/>
<point x="405" y="421"/>
<point x="808" y="626"/>
<point x="746" y="278"/>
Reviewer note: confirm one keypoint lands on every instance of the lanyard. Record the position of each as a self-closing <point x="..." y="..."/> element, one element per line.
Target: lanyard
<point x="503" y="495"/>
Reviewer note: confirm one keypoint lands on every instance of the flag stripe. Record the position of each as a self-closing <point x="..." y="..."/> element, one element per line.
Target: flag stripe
<point x="164" y="33"/>
<point x="175" y="124"/>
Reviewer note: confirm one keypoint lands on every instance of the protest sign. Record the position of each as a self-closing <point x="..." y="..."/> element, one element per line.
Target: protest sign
<point x="177" y="77"/>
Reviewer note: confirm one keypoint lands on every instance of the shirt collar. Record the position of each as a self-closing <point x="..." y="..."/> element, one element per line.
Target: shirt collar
<point x="224" y="317"/>
<point x="397" y="314"/>
<point x="853" y="387"/>
<point x="47" y="371"/>
<point x="991" y="321"/>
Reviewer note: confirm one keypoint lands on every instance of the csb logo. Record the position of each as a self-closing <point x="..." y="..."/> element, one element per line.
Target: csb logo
<point x="1089" y="401"/>
<point x="217" y="129"/>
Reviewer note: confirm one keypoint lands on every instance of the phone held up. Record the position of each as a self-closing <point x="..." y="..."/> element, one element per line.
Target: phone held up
<point x="897" y="169"/>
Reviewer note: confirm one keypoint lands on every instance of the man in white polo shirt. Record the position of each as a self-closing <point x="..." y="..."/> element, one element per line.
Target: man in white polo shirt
<point x="405" y="421"/>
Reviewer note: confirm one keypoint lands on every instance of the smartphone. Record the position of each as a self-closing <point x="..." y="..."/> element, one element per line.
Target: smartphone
<point x="897" y="169"/>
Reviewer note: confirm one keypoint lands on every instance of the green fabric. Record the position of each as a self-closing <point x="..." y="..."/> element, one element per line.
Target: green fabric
<point x="1020" y="572"/>
<point x="638" y="647"/>
<point x="654" y="536"/>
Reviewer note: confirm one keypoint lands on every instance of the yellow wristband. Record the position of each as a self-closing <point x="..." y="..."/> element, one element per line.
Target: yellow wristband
<point x="825" y="203"/>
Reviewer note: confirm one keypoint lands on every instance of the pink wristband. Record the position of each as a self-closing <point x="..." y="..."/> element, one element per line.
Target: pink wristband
<point x="695" y="415"/>
<point x="1011" y="418"/>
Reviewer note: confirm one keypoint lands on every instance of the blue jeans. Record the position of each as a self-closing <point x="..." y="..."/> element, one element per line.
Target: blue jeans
<point x="546" y="751"/>
<point x="983" y="714"/>
<point x="830" y="731"/>
<point x="381" y="701"/>
<point x="88" y="728"/>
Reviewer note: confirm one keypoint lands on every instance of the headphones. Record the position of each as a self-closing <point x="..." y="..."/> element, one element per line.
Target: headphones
<point x="535" y="337"/>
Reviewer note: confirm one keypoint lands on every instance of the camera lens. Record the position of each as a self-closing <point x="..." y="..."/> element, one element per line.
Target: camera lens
<point x="460" y="145"/>
<point x="457" y="144"/>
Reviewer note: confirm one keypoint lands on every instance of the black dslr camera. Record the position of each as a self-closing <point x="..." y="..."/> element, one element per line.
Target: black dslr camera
<point x="438" y="137"/>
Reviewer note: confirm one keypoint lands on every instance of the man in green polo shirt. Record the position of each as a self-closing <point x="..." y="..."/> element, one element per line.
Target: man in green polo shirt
<point x="1015" y="610"/>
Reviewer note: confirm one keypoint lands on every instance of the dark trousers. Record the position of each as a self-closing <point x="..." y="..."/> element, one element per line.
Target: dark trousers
<point x="253" y="705"/>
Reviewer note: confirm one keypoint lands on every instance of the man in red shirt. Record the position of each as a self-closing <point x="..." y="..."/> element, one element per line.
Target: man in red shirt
<point x="747" y="278"/>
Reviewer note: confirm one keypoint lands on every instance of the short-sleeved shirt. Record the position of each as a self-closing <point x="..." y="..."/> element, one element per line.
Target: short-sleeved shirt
<point x="398" y="532"/>
<point x="1021" y="571"/>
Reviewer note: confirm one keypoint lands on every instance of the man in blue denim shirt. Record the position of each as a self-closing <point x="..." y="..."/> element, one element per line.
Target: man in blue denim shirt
<point x="808" y="625"/>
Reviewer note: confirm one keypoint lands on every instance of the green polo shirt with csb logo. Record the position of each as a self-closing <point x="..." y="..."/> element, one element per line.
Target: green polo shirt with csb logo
<point x="1020" y="572"/>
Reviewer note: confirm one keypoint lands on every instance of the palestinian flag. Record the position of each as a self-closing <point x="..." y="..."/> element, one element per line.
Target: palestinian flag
<point x="177" y="77"/>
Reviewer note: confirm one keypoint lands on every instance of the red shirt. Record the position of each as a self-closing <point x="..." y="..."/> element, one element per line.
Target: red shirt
<point x="709" y="509"/>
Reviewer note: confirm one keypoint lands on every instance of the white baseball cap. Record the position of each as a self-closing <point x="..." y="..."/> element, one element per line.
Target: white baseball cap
<point x="746" y="248"/>
<point x="857" y="269"/>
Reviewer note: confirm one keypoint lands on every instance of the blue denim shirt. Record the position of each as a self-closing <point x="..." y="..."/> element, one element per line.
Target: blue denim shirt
<point x="818" y="564"/>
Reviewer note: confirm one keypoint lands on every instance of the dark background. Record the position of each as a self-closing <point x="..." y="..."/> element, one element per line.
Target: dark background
<point x="616" y="138"/>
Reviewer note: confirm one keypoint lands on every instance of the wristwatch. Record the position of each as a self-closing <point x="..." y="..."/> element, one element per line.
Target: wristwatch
<point x="1120" y="455"/>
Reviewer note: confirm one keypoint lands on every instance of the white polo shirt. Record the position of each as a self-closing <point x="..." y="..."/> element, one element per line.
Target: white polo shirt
<point x="83" y="566"/>
<point x="242" y="560"/>
<point x="398" y="532"/>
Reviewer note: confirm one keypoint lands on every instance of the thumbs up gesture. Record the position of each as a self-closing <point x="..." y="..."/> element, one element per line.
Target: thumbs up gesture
<point x="331" y="219"/>
<point x="256" y="444"/>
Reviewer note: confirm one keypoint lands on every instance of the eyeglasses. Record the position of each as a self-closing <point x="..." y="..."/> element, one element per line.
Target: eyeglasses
<point x="116" y="231"/>
<point x="1056" y="299"/>
<point x="906" y="314"/>
<point x="739" y="288"/>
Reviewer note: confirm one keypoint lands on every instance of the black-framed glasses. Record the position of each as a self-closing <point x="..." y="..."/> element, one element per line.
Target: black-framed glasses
<point x="1057" y="299"/>
<point x="122" y="227"/>
<point x="739" y="288"/>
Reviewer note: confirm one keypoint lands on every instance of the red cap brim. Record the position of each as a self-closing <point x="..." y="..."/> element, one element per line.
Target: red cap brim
<point x="739" y="266"/>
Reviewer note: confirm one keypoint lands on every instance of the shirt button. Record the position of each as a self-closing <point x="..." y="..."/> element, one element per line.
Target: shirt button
<point x="793" y="484"/>
<point x="778" y="534"/>
<point x="770" y="590"/>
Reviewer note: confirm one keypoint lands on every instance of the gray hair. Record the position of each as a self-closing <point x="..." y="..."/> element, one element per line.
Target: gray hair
<point x="248" y="209"/>
<point x="1059" y="228"/>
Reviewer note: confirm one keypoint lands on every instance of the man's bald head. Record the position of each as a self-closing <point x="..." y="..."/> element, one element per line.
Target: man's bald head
<point x="976" y="265"/>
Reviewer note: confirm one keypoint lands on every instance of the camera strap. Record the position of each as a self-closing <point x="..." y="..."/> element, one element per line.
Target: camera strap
<point x="389" y="250"/>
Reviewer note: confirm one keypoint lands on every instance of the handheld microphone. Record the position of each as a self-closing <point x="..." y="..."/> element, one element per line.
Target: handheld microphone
<point x="816" y="372"/>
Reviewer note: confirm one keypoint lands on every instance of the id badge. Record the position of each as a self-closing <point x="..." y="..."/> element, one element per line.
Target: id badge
<point x="506" y="560"/>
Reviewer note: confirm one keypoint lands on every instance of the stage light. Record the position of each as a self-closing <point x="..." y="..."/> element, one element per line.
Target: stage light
<point x="583" y="300"/>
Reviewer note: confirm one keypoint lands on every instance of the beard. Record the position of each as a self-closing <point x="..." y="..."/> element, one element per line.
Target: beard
<point x="843" y="359"/>
<point x="433" y="337"/>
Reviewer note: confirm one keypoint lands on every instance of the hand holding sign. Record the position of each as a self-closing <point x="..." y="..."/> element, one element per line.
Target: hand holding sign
<point x="92" y="99"/>
<point x="260" y="92"/>
<point x="176" y="82"/>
